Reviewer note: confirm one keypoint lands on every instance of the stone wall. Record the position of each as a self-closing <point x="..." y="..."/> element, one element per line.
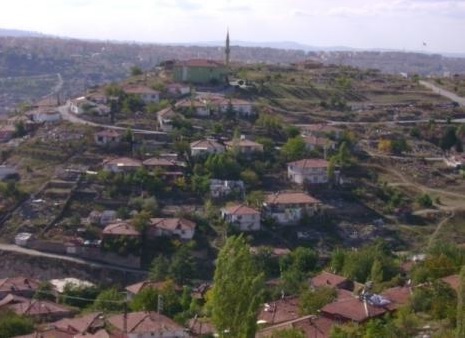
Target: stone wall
<point x="15" y="264"/>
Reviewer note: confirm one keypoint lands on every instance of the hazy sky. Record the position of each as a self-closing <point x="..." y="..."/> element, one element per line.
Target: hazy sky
<point x="398" y="24"/>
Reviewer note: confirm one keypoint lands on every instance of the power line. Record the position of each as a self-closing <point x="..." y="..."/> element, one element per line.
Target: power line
<point x="81" y="298"/>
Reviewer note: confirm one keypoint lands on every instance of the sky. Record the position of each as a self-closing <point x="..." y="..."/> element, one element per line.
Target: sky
<point x="390" y="24"/>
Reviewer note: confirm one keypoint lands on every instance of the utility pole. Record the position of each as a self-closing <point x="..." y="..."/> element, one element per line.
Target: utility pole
<point x="160" y="304"/>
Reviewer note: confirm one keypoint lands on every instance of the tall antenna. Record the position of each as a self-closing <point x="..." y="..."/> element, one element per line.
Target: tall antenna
<point x="227" y="50"/>
<point x="160" y="304"/>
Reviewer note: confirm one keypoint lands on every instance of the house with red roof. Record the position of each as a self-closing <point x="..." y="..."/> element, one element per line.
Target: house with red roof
<point x="108" y="137"/>
<point x="328" y="279"/>
<point x="311" y="326"/>
<point x="165" y="119"/>
<point x="288" y="208"/>
<point x="308" y="171"/>
<point x="453" y="281"/>
<point x="147" y="325"/>
<point x="242" y="217"/>
<point x="244" y="146"/>
<point x="315" y="142"/>
<point x="87" y="324"/>
<point x="39" y="310"/>
<point x="168" y="168"/>
<point x="19" y="286"/>
<point x="146" y="94"/>
<point x="181" y="227"/>
<point x="280" y="311"/>
<point x="120" y="229"/>
<point x="121" y="165"/>
<point x="358" y="309"/>
<point x="206" y="147"/>
<point x="134" y="289"/>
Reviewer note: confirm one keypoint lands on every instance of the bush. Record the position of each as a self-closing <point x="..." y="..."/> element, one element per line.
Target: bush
<point x="425" y="201"/>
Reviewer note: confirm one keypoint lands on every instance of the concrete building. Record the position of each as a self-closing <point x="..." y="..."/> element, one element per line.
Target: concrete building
<point x="242" y="217"/>
<point x="309" y="171"/>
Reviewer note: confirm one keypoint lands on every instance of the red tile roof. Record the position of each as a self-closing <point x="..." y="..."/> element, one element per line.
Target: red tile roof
<point x="172" y="224"/>
<point x="399" y="296"/>
<point x="39" y="308"/>
<point x="311" y="326"/>
<point x="240" y="209"/>
<point x="120" y="229"/>
<point x="290" y="198"/>
<point x="328" y="279"/>
<point x="51" y="333"/>
<point x="138" y="287"/>
<point x="124" y="162"/>
<point x="453" y="281"/>
<point x="280" y="311"/>
<point x="167" y="112"/>
<point x="315" y="327"/>
<point x="310" y="163"/>
<point x="159" y="162"/>
<point x="201" y="327"/>
<point x="352" y="309"/>
<point x="206" y="144"/>
<point x="143" y="322"/>
<point x="80" y="324"/>
<point x="317" y="141"/>
<point x="244" y="143"/>
<point x="18" y="284"/>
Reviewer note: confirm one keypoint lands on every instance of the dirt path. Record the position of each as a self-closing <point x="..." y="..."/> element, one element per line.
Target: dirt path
<point x="443" y="92"/>
<point x="439" y="227"/>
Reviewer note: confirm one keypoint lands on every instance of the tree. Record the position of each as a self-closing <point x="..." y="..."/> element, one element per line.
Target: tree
<point x="312" y="301"/>
<point x="255" y="198"/>
<point x="136" y="71"/>
<point x="449" y="139"/>
<point x="79" y="296"/>
<point x="377" y="273"/>
<point x="141" y="221"/>
<point x="12" y="325"/>
<point x="288" y="333"/>
<point x="20" y="129"/>
<point x="145" y="300"/>
<point x="237" y="290"/>
<point x="159" y="268"/>
<point x="385" y="146"/>
<point x="182" y="266"/>
<point x="425" y="201"/>
<point x="294" y="149"/>
<point x="461" y="306"/>
<point x="110" y="300"/>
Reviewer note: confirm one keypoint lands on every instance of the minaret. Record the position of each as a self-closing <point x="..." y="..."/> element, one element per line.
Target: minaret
<point x="227" y="51"/>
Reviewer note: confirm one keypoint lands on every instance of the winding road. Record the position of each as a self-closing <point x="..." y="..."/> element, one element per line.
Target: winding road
<point x="73" y="118"/>
<point x="30" y="252"/>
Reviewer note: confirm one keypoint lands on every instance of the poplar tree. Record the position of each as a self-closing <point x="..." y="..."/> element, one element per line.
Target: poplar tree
<point x="461" y="306"/>
<point x="237" y="291"/>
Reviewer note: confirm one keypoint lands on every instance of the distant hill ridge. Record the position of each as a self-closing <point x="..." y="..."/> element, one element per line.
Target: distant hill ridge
<point x="20" y="33"/>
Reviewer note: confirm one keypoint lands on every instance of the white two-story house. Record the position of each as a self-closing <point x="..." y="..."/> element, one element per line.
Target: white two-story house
<point x="242" y="217"/>
<point x="288" y="208"/>
<point x="309" y="171"/>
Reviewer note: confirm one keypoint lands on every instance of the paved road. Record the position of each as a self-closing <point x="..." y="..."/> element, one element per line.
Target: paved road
<point x="30" y="252"/>
<point x="73" y="118"/>
<point x="450" y="95"/>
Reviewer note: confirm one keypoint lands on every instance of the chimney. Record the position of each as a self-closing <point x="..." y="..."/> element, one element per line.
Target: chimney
<point x="365" y="305"/>
<point x="242" y="137"/>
